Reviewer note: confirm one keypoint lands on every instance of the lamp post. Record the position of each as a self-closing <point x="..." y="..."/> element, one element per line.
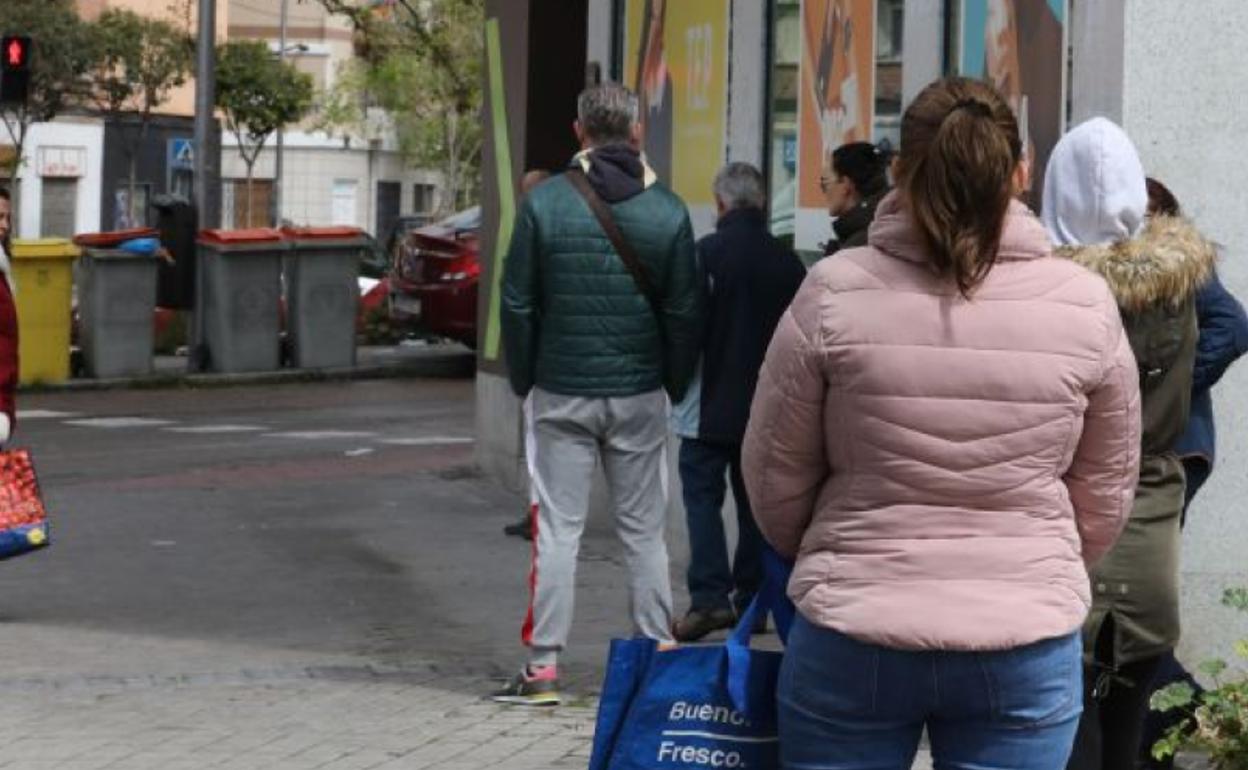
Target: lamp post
<point x="207" y="158"/>
<point x="281" y="133"/>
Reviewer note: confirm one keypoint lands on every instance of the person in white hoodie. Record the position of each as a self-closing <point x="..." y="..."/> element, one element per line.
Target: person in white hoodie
<point x="8" y="325"/>
<point x="1095" y="209"/>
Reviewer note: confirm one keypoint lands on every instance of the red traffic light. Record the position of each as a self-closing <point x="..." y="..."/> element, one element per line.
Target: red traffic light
<point x="16" y="52"/>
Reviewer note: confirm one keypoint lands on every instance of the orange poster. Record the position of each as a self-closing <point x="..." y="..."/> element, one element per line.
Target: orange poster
<point x="838" y="86"/>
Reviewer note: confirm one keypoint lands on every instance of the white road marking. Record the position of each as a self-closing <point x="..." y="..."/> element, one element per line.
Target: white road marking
<point x="197" y="429"/>
<point x="45" y="414"/>
<point x="320" y="435"/>
<point x="119" y="422"/>
<point x="359" y="452"/>
<point x="428" y="441"/>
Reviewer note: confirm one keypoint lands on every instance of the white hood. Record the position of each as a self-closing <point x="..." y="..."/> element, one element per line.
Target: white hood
<point x="1094" y="191"/>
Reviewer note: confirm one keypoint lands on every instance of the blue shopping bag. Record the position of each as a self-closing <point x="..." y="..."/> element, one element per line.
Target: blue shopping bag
<point x="696" y="707"/>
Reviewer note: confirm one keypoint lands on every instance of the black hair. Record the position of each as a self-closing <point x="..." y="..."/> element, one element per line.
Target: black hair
<point x="1161" y="200"/>
<point x="864" y="164"/>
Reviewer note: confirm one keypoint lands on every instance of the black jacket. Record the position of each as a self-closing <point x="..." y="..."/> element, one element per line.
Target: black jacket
<point x="851" y="229"/>
<point x="750" y="280"/>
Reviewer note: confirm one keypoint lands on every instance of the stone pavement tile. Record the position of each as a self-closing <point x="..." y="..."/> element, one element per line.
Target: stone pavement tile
<point x="366" y="759"/>
<point x="430" y="755"/>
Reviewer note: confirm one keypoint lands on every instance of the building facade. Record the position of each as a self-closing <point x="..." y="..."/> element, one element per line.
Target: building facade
<point x="164" y="156"/>
<point x="339" y="178"/>
<point x="781" y="83"/>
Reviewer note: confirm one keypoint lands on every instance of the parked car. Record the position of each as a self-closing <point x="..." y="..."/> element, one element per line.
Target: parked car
<point x="434" y="277"/>
<point x="403" y="226"/>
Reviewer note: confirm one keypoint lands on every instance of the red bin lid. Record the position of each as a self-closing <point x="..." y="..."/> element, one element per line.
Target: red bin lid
<point x="228" y="237"/>
<point x="337" y="232"/>
<point x="114" y="238"/>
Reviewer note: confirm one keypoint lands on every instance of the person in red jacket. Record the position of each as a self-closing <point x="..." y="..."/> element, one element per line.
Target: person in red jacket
<point x="8" y="325"/>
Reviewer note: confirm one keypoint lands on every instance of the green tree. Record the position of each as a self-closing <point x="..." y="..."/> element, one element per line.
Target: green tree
<point x="138" y="62"/>
<point x="258" y="94"/>
<point x="61" y="57"/>
<point x="421" y="63"/>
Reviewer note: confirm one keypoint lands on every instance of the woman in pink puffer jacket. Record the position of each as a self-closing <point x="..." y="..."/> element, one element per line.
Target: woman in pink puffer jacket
<point x="945" y="436"/>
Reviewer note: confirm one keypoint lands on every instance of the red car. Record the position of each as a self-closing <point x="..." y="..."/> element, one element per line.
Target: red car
<point x="434" y="275"/>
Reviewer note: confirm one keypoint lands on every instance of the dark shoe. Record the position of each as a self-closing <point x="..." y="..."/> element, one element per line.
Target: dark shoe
<point x="527" y="690"/>
<point x="698" y="623"/>
<point x="522" y="528"/>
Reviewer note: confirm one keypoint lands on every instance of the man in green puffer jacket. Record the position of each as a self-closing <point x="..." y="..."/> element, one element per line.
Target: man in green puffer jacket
<point x="598" y="361"/>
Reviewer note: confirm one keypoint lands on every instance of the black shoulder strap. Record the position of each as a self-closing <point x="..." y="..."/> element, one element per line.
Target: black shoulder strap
<point x="602" y="212"/>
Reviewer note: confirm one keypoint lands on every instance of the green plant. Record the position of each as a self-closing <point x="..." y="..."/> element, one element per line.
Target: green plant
<point x="137" y="63"/>
<point x="1215" y="721"/>
<point x="61" y="59"/>
<point x="257" y="94"/>
<point x="420" y="62"/>
<point x="379" y="329"/>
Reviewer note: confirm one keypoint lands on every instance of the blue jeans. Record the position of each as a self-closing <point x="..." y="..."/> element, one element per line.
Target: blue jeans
<point x="713" y="584"/>
<point x="845" y="704"/>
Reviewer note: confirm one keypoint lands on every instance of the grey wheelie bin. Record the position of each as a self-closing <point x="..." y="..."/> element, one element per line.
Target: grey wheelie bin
<point x="241" y="298"/>
<point x="117" y="311"/>
<point x="322" y="294"/>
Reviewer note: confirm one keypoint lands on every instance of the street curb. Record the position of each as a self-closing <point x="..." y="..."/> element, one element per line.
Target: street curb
<point x="456" y="365"/>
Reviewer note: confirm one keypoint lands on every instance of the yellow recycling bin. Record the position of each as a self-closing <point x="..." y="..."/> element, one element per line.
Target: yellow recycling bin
<point x="44" y="272"/>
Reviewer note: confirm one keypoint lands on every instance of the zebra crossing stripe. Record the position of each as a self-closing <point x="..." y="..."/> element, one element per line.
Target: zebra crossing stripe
<point x="211" y="429"/>
<point x="428" y="441"/>
<point x="119" y="422"/>
<point x="45" y="414"/>
<point x="320" y="435"/>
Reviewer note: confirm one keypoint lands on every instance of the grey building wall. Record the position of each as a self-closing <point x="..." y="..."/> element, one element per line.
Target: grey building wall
<point x="1171" y="73"/>
<point x="1183" y="105"/>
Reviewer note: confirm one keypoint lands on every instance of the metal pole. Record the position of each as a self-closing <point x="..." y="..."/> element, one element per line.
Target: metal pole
<point x="207" y="163"/>
<point x="207" y="160"/>
<point x="281" y="133"/>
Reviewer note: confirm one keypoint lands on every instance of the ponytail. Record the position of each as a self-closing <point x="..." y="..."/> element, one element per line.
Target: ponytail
<point x="960" y="147"/>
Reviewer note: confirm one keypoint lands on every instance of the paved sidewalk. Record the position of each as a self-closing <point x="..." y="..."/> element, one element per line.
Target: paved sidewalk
<point x="331" y="718"/>
<point x="439" y="360"/>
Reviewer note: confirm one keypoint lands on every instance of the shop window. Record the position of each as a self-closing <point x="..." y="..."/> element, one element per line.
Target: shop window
<point x="423" y="201"/>
<point x="889" y="37"/>
<point x="785" y="82"/>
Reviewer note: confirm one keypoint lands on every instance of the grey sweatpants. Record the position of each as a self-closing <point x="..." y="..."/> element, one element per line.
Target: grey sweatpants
<point x="570" y="435"/>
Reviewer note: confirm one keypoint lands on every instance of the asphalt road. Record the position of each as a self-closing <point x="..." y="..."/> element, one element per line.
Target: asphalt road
<point x="222" y="531"/>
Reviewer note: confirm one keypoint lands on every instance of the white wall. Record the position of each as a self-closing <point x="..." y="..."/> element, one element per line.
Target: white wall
<point x="313" y="162"/>
<point x="82" y="133"/>
<point x="1183" y="105"/>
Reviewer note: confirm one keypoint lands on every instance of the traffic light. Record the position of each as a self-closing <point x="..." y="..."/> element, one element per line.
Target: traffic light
<point x="14" y="69"/>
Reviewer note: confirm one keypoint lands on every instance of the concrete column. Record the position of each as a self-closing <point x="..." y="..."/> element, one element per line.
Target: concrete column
<point x="923" y="46"/>
<point x="1182" y="104"/>
<point x="1098" y="37"/>
<point x="747" y="82"/>
<point x="599" y="34"/>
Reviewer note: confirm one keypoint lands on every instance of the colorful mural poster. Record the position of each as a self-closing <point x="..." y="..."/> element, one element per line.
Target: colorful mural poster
<point x="1019" y="45"/>
<point x="836" y="101"/>
<point x="676" y="58"/>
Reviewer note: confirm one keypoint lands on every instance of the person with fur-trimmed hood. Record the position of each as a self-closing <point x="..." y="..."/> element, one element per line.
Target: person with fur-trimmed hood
<point x="1095" y="208"/>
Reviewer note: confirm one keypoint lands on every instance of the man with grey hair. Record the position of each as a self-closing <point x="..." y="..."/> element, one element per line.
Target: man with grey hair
<point x="601" y="324"/>
<point x="750" y="280"/>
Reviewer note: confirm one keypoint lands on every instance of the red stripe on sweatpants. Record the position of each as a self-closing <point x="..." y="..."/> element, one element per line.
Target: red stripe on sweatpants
<point x="526" y="631"/>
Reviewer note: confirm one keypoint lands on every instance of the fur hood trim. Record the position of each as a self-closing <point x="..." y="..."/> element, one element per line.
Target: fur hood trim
<point x="1167" y="262"/>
